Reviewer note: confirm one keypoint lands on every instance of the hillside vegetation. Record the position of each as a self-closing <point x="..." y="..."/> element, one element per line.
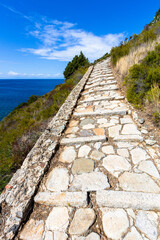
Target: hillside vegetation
<point x="137" y="62"/>
<point x="23" y="126"/>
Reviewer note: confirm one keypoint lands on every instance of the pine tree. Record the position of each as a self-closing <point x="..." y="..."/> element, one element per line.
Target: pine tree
<point x="77" y="61"/>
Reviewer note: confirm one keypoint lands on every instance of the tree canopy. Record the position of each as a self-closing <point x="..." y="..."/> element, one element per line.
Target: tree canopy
<point x="77" y="61"/>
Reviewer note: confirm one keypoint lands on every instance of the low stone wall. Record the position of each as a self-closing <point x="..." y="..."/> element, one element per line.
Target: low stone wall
<point x="16" y="200"/>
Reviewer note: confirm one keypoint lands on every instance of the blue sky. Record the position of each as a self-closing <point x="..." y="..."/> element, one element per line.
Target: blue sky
<point x="38" y="38"/>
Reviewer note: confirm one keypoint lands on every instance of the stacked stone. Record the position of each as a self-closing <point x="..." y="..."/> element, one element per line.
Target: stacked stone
<point x="103" y="182"/>
<point x="17" y="198"/>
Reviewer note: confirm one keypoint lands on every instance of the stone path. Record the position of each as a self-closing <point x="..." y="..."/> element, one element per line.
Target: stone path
<point x="103" y="182"/>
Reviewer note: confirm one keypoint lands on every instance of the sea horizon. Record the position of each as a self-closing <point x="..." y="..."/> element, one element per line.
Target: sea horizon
<point x="15" y="91"/>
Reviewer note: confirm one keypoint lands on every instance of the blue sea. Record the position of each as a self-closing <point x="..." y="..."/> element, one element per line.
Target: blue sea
<point x="15" y="91"/>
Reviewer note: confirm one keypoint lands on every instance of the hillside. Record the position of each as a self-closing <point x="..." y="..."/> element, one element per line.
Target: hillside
<point x="137" y="63"/>
<point x="22" y="127"/>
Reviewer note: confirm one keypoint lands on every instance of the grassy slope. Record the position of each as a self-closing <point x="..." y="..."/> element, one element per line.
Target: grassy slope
<point x="22" y="127"/>
<point x="138" y="62"/>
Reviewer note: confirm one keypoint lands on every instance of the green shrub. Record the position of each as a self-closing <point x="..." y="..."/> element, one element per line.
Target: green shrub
<point x="105" y="56"/>
<point x="120" y="51"/>
<point x="150" y="32"/>
<point x="32" y="99"/>
<point x="77" y="62"/>
<point x="143" y="78"/>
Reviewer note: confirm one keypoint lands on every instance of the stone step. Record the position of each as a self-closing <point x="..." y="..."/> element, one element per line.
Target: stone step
<point x="68" y="141"/>
<point x="72" y="199"/>
<point x="101" y="90"/>
<point x="92" y="99"/>
<point x="121" y="112"/>
<point x="92" y="85"/>
<point x="133" y="200"/>
<point x="126" y="138"/>
<point x="93" y="81"/>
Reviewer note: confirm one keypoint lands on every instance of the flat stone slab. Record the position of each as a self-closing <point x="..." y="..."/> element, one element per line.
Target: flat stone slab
<point x="58" y="219"/>
<point x="115" y="223"/>
<point x="74" y="199"/>
<point x="130" y="129"/>
<point x="32" y="230"/>
<point x="102" y="112"/>
<point x="67" y="141"/>
<point x="58" y="180"/>
<point x="126" y="138"/>
<point x="112" y="87"/>
<point x="133" y="235"/>
<point x="94" y="99"/>
<point x="147" y="223"/>
<point x="115" y="163"/>
<point x="138" y="154"/>
<point x="93" y="85"/>
<point x="82" y="165"/>
<point x="136" y="182"/>
<point x="149" y="167"/>
<point x="68" y="155"/>
<point x="90" y="182"/>
<point x="82" y="221"/>
<point x="134" y="200"/>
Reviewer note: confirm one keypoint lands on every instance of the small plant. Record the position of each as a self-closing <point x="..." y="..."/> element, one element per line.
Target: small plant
<point x="144" y="79"/>
<point x="153" y="97"/>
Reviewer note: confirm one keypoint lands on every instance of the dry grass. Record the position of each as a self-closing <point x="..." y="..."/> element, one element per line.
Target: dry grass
<point x="135" y="56"/>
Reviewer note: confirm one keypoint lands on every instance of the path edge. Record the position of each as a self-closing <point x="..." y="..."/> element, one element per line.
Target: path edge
<point x="18" y="195"/>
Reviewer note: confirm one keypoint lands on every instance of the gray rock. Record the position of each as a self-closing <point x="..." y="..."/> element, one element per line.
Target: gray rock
<point x="96" y="155"/>
<point x="133" y="235"/>
<point x="84" y="151"/>
<point x="150" y="142"/>
<point x="58" y="219"/>
<point x="130" y="129"/>
<point x="147" y="223"/>
<point x="138" y="154"/>
<point x="90" y="182"/>
<point x="141" y="120"/>
<point x="82" y="221"/>
<point x="93" y="236"/>
<point x="115" y="223"/>
<point x="149" y="167"/>
<point x="58" y="180"/>
<point x="48" y="235"/>
<point x="86" y="122"/>
<point x="77" y="140"/>
<point x="115" y="163"/>
<point x="32" y="230"/>
<point x="68" y="155"/>
<point x="86" y="133"/>
<point x="60" y="236"/>
<point x="133" y="200"/>
<point x="82" y="165"/>
<point x="138" y="183"/>
<point x="74" y="199"/>
<point x="108" y="150"/>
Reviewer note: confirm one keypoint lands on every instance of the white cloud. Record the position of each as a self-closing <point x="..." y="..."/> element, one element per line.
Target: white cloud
<point x="12" y="73"/>
<point x="62" y="41"/>
<point x="38" y="75"/>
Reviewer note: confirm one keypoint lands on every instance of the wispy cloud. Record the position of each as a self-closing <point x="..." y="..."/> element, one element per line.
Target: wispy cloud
<point x="16" y="12"/>
<point x="38" y="75"/>
<point x="62" y="40"/>
<point x="12" y="73"/>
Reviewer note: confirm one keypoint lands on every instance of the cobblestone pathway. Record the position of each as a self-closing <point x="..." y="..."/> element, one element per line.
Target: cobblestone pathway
<point x="103" y="182"/>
